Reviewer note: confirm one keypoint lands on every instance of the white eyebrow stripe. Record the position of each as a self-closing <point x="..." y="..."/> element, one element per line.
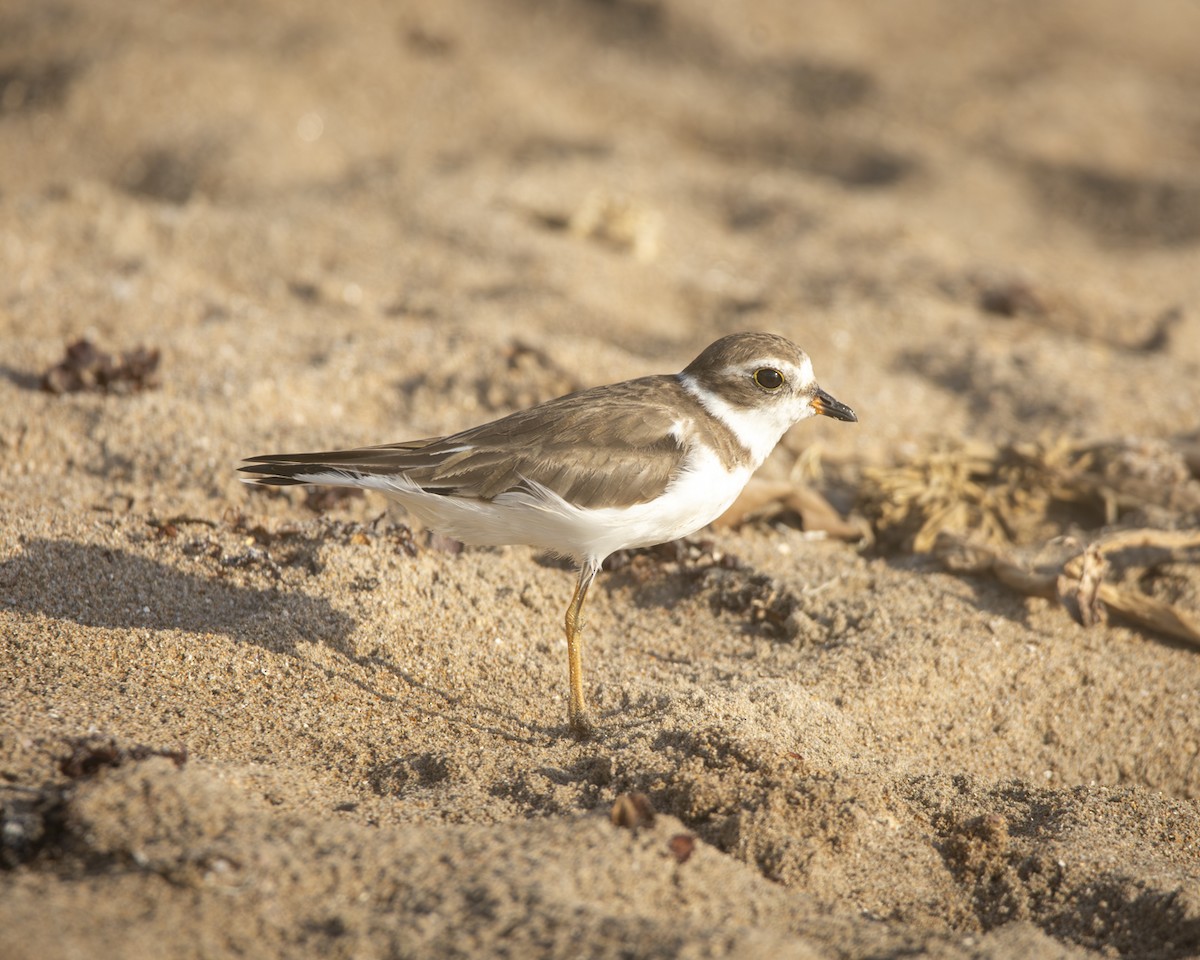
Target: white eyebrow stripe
<point x="807" y="377"/>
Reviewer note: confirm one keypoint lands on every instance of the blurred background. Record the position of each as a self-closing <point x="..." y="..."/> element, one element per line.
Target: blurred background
<point x="968" y="213"/>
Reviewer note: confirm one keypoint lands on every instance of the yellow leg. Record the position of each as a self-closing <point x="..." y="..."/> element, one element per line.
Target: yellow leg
<point x="576" y="710"/>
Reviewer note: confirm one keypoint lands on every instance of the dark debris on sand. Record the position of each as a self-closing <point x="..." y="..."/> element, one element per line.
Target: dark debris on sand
<point x="85" y="367"/>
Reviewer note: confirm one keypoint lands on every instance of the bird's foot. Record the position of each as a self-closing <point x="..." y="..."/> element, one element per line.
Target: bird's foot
<point x="582" y="727"/>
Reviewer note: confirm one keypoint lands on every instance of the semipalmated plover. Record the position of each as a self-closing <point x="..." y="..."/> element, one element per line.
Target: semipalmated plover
<point x="627" y="465"/>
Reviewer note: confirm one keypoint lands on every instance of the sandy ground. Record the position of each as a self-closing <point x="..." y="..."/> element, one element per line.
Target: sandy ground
<point x="232" y="725"/>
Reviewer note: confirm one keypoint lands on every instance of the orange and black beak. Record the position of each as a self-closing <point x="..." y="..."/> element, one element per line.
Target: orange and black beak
<point x="826" y="406"/>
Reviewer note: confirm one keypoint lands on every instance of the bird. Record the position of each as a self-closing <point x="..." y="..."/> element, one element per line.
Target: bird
<point x="630" y="464"/>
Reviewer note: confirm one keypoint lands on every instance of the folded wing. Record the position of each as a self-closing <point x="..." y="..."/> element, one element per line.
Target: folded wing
<point x="606" y="447"/>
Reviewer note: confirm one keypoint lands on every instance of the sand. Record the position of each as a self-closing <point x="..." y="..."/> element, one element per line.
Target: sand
<point x="234" y="723"/>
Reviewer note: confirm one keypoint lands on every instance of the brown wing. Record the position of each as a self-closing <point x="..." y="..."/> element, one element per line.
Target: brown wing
<point x="602" y="447"/>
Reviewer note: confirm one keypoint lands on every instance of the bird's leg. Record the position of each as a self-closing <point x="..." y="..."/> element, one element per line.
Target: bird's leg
<point x="576" y="711"/>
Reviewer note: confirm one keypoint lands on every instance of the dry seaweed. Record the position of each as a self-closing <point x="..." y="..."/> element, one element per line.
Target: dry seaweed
<point x="1023" y="492"/>
<point x="976" y="507"/>
<point x="1080" y="582"/>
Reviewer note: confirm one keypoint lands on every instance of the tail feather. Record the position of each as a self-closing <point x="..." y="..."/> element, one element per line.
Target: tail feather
<point x="342" y="467"/>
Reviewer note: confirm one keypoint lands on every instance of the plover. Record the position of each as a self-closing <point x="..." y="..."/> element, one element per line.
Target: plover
<point x="627" y="465"/>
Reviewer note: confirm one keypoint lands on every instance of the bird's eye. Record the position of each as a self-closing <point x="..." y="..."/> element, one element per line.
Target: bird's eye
<point x="768" y="378"/>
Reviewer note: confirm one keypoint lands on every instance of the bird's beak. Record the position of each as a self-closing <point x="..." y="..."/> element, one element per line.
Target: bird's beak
<point x="826" y="406"/>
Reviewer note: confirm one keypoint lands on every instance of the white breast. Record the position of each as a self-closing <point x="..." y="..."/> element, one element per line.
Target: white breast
<point x="700" y="494"/>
